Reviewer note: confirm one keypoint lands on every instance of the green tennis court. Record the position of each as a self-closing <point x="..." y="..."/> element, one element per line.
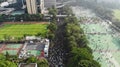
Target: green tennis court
<point x="13" y="45"/>
<point x="34" y="52"/>
<point x="11" y="52"/>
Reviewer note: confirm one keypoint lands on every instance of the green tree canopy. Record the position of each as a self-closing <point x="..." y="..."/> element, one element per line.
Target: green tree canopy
<point x="79" y="54"/>
<point x="43" y="63"/>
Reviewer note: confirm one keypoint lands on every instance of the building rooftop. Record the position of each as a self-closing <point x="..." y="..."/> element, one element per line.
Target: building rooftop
<point x="35" y="46"/>
<point x="27" y="65"/>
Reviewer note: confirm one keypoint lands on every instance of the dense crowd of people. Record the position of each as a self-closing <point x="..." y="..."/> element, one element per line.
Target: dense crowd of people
<point x="97" y="39"/>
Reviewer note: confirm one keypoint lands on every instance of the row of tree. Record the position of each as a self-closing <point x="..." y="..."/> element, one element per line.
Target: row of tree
<point x="40" y="62"/>
<point x="13" y="61"/>
<point x="73" y="42"/>
<point x="52" y="26"/>
<point x="23" y="17"/>
<point x="5" y="62"/>
<point x="79" y="54"/>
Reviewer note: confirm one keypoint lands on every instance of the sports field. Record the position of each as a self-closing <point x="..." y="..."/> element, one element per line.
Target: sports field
<point x="19" y="30"/>
<point x="116" y="14"/>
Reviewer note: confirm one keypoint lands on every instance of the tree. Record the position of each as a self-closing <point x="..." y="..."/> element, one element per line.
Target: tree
<point x="52" y="27"/>
<point x="51" y="36"/>
<point x="71" y="19"/>
<point x="53" y="11"/>
<point x="72" y="29"/>
<point x="7" y="64"/>
<point x="31" y="59"/>
<point x="7" y="56"/>
<point x="87" y="63"/>
<point x="67" y="10"/>
<point x="4" y="62"/>
<point x="43" y="63"/>
<point x="1" y="18"/>
<point x="77" y="55"/>
<point x="82" y="41"/>
<point x="2" y="57"/>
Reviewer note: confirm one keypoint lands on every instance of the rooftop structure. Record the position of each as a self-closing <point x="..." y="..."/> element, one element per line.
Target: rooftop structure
<point x="27" y="65"/>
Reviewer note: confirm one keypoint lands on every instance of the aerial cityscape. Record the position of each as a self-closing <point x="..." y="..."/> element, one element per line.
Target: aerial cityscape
<point x="59" y="33"/>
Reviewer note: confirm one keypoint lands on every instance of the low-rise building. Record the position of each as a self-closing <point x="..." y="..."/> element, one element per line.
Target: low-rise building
<point x="27" y="65"/>
<point x="35" y="46"/>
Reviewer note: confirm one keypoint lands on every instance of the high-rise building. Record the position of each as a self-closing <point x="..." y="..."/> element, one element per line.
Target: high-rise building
<point x="31" y="6"/>
<point x="42" y="6"/>
<point x="49" y="3"/>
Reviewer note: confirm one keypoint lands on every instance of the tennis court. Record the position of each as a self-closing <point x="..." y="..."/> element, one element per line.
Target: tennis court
<point x="13" y="45"/>
<point x="1" y="45"/>
<point x="34" y="52"/>
<point x="12" y="49"/>
<point x="11" y="52"/>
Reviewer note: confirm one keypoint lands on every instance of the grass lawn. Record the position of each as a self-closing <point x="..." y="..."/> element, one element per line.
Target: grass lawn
<point x="117" y="14"/>
<point x="19" y="30"/>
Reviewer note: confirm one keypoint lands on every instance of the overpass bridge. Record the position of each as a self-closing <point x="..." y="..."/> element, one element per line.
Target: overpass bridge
<point x="58" y="16"/>
<point x="60" y="5"/>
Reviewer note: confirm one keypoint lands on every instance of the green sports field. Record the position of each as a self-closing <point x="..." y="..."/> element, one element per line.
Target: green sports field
<point x="19" y="30"/>
<point x="117" y="14"/>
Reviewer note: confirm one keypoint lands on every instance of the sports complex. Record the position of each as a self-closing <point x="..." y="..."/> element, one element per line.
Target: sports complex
<point x="35" y="43"/>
